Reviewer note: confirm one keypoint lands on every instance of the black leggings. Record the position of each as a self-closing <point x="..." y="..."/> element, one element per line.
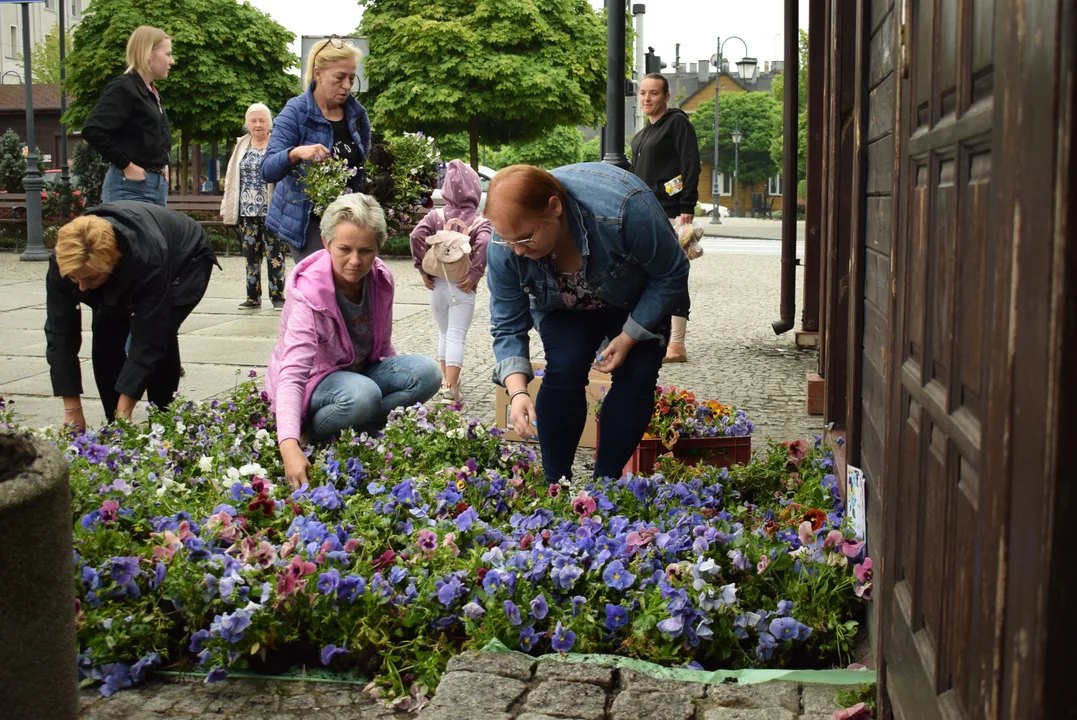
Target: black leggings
<point x="110" y="332"/>
<point x="571" y="338"/>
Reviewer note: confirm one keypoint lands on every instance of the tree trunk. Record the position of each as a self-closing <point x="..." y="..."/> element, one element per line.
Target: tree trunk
<point x="473" y="134"/>
<point x="185" y="152"/>
<point x="196" y="170"/>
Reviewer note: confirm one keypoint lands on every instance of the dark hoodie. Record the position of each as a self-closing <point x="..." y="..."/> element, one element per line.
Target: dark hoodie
<point x="165" y="262"/>
<point x="663" y="150"/>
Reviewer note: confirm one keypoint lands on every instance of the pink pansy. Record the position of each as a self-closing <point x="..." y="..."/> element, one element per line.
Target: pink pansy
<point x="851" y="548"/>
<point x="257" y="552"/>
<point x="764" y="563"/>
<point x="289" y="546"/>
<point x="804" y="532"/>
<point x="450" y="542"/>
<point x="583" y="504"/>
<point x="185" y="531"/>
<point x="797" y="450"/>
<point x="221" y="523"/>
<point x="860" y="711"/>
<point x="352" y="545"/>
<point x="300" y="567"/>
<point x="635" y="540"/>
<point x="833" y="538"/>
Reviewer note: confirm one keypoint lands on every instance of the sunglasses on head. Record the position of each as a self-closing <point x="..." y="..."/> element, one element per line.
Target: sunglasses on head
<point x="334" y="40"/>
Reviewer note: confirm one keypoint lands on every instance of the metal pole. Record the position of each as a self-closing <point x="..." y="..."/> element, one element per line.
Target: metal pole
<point x="65" y="176"/>
<point x="32" y="181"/>
<point x="716" y="186"/>
<point x="789" y="172"/>
<point x="736" y="169"/>
<point x="639" y="10"/>
<point x="615" y="84"/>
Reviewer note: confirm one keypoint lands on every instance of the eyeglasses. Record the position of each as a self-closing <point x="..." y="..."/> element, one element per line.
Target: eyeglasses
<point x="527" y="242"/>
<point x="334" y="40"/>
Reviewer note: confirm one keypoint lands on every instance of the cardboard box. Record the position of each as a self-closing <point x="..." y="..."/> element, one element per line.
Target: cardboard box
<point x="598" y="383"/>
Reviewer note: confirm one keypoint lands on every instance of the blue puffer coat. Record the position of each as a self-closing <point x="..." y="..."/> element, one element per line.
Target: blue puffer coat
<point x="301" y="123"/>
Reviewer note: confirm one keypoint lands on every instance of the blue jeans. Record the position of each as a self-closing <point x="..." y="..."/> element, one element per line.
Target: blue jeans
<point x="154" y="189"/>
<point x="363" y="400"/>
<point x="571" y="338"/>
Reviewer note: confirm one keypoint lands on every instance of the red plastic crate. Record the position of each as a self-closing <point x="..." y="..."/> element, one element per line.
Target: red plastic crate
<point x="716" y="451"/>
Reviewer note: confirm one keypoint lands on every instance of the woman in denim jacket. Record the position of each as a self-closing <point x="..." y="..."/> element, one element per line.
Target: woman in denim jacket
<point x="586" y="255"/>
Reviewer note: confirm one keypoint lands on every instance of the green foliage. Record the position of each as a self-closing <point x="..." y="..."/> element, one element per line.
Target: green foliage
<point x="90" y="169"/>
<point x="592" y="150"/>
<point x="504" y="71"/>
<point x="415" y="170"/>
<point x="61" y="205"/>
<point x="228" y="55"/>
<point x="12" y="163"/>
<point x="453" y="146"/>
<point x="561" y="146"/>
<point x="45" y="57"/>
<point x="777" y="89"/>
<point x="759" y="116"/>
<point x="324" y="181"/>
<point x="863" y="694"/>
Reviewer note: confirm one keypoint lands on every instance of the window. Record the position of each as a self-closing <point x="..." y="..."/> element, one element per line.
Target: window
<point x="74" y="8"/>
<point x="774" y="185"/>
<point x="13" y="44"/>
<point x="50" y="5"/>
<point x="725" y="182"/>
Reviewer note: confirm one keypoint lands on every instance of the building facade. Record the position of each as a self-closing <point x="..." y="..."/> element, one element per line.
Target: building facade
<point x="43" y="17"/>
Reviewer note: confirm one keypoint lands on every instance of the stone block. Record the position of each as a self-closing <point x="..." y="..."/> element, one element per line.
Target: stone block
<point x="726" y="713"/>
<point x="632" y="680"/>
<point x="568" y="700"/>
<point x="474" y="692"/>
<point x="536" y="716"/>
<point x="511" y="665"/>
<point x="575" y="672"/>
<point x="820" y="698"/>
<point x="455" y="713"/>
<point x="816" y="391"/>
<point x="758" y="696"/>
<point x="633" y="705"/>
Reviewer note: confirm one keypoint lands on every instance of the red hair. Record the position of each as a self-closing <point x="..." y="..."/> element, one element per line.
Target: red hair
<point x="524" y="188"/>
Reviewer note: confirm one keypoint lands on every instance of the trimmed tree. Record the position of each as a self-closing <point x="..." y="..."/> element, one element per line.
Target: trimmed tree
<point x="503" y="70"/>
<point x="228" y="55"/>
<point x="758" y="115"/>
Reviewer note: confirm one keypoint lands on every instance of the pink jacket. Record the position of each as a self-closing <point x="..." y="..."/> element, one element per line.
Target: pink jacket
<point x="313" y="339"/>
<point x="462" y="193"/>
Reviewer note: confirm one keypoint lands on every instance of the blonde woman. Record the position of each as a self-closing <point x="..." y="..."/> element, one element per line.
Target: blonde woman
<point x="129" y="126"/>
<point x="142" y="269"/>
<point x="246" y="201"/>
<point x="326" y="119"/>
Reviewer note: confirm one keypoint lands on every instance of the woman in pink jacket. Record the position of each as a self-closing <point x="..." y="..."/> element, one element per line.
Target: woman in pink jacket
<point x="453" y="303"/>
<point x="334" y="365"/>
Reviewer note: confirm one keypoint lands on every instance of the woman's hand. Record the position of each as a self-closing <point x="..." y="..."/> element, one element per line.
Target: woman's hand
<point x="308" y="153"/>
<point x="523" y="416"/>
<point x="467" y="285"/>
<point x="296" y="463"/>
<point x="134" y="173"/>
<point x="615" y="353"/>
<point x="687" y="219"/>
<point x="427" y="280"/>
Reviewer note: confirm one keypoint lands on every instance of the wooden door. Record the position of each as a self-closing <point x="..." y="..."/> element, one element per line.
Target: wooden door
<point x="982" y="162"/>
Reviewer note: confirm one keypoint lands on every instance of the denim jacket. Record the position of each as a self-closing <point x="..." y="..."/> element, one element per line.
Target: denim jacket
<point x="631" y="259"/>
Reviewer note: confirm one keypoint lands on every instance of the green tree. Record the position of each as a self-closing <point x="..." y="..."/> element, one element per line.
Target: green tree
<point x="505" y="71"/>
<point x="90" y="169"/>
<point x="777" y="89"/>
<point x="228" y="55"/>
<point x="758" y="114"/>
<point x="45" y="57"/>
<point x="561" y="146"/>
<point x="12" y="162"/>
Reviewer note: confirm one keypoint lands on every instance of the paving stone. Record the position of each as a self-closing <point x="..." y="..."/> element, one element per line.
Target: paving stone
<point x="635" y="705"/>
<point x="725" y="713"/>
<point x="340" y="698"/>
<point x="192" y="703"/>
<point x="820" y="698"/>
<point x="538" y="716"/>
<point x="456" y="713"/>
<point x="632" y="680"/>
<point x="575" y="672"/>
<point x="475" y="691"/>
<point x="759" y="695"/>
<point x="161" y="703"/>
<point x="567" y="700"/>
<point x="511" y="665"/>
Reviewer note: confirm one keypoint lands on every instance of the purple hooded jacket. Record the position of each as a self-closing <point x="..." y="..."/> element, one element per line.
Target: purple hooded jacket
<point x="314" y="341"/>
<point x="462" y="193"/>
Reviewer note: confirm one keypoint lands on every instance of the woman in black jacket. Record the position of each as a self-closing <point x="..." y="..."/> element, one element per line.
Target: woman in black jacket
<point x="129" y="127"/>
<point x="142" y="269"/>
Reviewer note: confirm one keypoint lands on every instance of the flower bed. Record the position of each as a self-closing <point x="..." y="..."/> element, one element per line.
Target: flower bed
<point x="434" y="537"/>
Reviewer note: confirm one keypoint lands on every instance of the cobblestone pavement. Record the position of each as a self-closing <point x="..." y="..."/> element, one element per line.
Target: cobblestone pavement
<point x="480" y="686"/>
<point x="733" y="356"/>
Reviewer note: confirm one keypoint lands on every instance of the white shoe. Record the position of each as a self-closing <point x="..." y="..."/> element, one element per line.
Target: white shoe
<point x="447" y="396"/>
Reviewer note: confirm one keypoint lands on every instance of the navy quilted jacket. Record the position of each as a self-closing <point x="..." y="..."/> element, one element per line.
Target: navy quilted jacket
<point x="301" y="123"/>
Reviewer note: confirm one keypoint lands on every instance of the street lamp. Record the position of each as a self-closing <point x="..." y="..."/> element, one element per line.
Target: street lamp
<point x="32" y="181"/>
<point x="747" y="69"/>
<point x="737" y="137"/>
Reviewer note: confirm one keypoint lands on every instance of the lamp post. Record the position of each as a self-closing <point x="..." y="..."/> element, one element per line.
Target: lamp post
<point x="32" y="181"/>
<point x="65" y="176"/>
<point x="737" y="137"/>
<point x="747" y="69"/>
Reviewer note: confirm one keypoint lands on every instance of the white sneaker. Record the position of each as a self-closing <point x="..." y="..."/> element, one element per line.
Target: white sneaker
<point x="447" y="396"/>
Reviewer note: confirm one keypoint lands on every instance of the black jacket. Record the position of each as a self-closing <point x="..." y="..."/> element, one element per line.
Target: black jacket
<point x="128" y="125"/>
<point x="663" y="150"/>
<point x="165" y="263"/>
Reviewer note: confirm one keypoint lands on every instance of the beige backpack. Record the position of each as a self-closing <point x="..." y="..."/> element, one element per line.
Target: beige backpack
<point x="448" y="251"/>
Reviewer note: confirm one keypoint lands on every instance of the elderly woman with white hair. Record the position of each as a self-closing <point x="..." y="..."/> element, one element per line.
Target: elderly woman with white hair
<point x="246" y="201"/>
<point x="334" y="366"/>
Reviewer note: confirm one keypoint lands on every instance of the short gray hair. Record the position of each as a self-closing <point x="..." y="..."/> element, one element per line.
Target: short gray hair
<point x="360" y="210"/>
<point x="257" y="107"/>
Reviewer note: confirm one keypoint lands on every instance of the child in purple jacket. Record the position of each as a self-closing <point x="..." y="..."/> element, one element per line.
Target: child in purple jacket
<point x="454" y="303"/>
<point x="334" y="365"/>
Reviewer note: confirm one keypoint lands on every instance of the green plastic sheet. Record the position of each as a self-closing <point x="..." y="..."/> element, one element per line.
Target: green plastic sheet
<point x="710" y="677"/>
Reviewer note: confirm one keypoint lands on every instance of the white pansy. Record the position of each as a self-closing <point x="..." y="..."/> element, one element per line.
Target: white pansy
<point x="180" y="427"/>
<point x="205" y="463"/>
<point x="232" y="474"/>
<point x="252" y="469"/>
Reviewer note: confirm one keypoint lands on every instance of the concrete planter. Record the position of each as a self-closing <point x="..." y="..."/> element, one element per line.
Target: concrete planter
<point x="38" y="646"/>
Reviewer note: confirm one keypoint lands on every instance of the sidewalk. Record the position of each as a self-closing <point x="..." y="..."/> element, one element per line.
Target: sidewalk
<point x="748" y="228"/>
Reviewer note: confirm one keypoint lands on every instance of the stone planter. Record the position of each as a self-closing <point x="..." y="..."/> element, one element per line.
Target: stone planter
<point x="38" y="646"/>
